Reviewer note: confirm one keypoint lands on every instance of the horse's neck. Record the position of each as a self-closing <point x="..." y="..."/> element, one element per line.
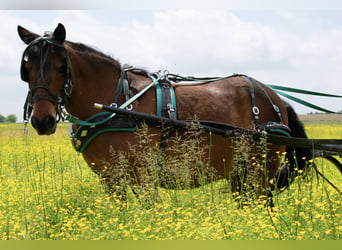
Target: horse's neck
<point x="91" y="83"/>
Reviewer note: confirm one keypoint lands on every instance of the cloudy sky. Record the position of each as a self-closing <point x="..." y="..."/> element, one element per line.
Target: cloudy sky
<point x="290" y="45"/>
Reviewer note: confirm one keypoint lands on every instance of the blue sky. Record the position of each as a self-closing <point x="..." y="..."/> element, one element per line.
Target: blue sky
<point x="291" y="45"/>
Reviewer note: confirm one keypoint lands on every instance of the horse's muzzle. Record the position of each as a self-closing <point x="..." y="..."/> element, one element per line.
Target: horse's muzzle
<point x="45" y="126"/>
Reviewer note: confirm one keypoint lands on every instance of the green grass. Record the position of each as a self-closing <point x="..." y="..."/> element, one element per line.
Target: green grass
<point x="48" y="192"/>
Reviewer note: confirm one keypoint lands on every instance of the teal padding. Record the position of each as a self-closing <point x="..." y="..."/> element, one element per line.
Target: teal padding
<point x="280" y="131"/>
<point x="103" y="131"/>
<point x="159" y="97"/>
<point x="173" y="100"/>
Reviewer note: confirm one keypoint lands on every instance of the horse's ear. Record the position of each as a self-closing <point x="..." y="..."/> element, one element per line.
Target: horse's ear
<point x="59" y="33"/>
<point x="26" y="35"/>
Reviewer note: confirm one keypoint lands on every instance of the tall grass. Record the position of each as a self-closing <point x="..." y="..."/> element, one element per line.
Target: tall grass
<point x="48" y="192"/>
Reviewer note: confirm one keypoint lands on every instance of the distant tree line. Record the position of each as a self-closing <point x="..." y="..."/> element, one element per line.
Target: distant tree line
<point x="8" y="119"/>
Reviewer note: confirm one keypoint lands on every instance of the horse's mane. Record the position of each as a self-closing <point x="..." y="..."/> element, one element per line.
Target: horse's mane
<point x="95" y="53"/>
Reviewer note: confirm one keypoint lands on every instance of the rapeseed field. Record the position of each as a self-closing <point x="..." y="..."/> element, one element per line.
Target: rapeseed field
<point x="47" y="191"/>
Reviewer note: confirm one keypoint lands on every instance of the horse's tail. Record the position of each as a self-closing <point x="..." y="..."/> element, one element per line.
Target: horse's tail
<point x="296" y="158"/>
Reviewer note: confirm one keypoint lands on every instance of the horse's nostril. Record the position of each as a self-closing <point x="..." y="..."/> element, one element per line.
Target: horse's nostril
<point x="48" y="120"/>
<point x="34" y="122"/>
<point x="44" y="126"/>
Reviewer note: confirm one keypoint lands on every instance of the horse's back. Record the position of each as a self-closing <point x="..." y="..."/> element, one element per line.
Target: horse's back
<point x="228" y="101"/>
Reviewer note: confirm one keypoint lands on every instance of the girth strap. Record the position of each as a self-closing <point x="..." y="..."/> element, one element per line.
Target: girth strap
<point x="166" y="100"/>
<point x="166" y="107"/>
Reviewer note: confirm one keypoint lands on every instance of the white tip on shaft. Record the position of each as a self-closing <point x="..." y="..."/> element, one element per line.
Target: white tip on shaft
<point x="98" y="106"/>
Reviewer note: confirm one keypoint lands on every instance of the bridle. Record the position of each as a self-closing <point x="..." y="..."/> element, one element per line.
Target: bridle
<point x="45" y="45"/>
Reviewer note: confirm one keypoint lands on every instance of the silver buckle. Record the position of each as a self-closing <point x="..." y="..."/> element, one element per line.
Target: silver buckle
<point x="255" y="110"/>
<point x="129" y="107"/>
<point x="113" y="105"/>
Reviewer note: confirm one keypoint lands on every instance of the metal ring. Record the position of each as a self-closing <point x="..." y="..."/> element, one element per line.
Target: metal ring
<point x="128" y="67"/>
<point x="166" y="74"/>
<point x="255" y="110"/>
<point x="129" y="107"/>
<point x="276" y="108"/>
<point x="59" y="100"/>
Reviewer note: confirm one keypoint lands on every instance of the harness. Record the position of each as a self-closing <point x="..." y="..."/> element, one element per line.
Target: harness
<point x="166" y="101"/>
<point x="110" y="122"/>
<point x="45" y="45"/>
<point x="275" y="127"/>
<point x="166" y="108"/>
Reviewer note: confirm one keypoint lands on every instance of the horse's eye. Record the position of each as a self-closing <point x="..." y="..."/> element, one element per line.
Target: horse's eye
<point x="62" y="69"/>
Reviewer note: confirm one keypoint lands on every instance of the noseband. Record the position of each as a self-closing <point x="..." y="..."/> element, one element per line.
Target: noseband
<point x="45" y="46"/>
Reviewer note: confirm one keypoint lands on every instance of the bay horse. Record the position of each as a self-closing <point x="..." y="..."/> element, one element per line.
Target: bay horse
<point x="63" y="74"/>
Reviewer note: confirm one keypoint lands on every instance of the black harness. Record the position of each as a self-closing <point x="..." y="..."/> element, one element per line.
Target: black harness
<point x="85" y="134"/>
<point x="166" y="108"/>
<point x="272" y="126"/>
<point x="105" y="122"/>
<point x="108" y="122"/>
<point x="43" y="46"/>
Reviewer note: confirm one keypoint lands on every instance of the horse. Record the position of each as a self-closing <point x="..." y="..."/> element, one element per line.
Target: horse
<point x="69" y="76"/>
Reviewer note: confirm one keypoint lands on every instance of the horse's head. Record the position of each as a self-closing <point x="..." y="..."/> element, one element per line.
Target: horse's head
<point x="46" y="67"/>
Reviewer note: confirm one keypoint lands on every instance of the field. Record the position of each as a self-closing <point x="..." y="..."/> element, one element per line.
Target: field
<point x="321" y="118"/>
<point x="48" y="192"/>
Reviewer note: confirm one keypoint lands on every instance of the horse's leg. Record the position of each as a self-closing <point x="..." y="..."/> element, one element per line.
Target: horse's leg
<point x="244" y="174"/>
<point x="295" y="157"/>
<point x="147" y="196"/>
<point x="247" y="166"/>
<point x="271" y="167"/>
<point x="118" y="179"/>
<point x="117" y="193"/>
<point x="254" y="166"/>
